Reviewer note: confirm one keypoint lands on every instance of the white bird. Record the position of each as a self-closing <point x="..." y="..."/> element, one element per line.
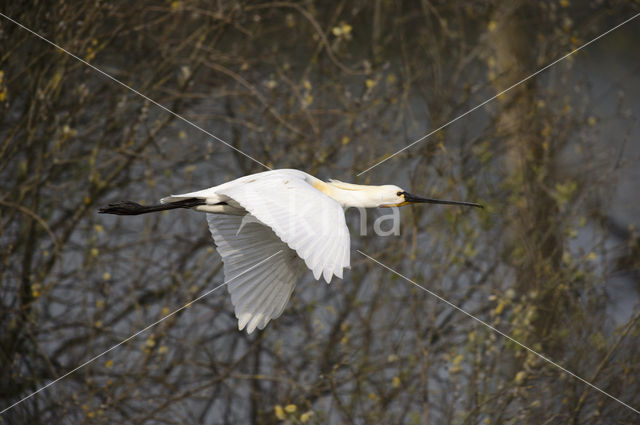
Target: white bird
<point x="288" y="212"/>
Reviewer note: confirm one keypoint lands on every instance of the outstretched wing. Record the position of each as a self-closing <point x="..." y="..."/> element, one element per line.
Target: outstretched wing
<point x="262" y="293"/>
<point x="307" y="220"/>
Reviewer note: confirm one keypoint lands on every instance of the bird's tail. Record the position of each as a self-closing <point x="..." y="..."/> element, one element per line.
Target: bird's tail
<point x="133" y="208"/>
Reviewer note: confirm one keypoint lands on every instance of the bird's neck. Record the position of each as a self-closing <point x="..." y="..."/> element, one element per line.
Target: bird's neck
<point x="346" y="194"/>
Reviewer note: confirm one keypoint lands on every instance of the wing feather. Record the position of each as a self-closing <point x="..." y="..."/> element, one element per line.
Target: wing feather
<point x="289" y="216"/>
<point x="262" y="293"/>
<point x="307" y="220"/>
<point x="267" y="303"/>
<point x="255" y="299"/>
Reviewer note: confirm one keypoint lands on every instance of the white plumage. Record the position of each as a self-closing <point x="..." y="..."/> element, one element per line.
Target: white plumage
<point x="286" y="217"/>
<point x="286" y="213"/>
<point x="262" y="293"/>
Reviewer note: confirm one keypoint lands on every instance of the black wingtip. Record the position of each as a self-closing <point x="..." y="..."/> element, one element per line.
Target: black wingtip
<point x="133" y="208"/>
<point x="123" y="208"/>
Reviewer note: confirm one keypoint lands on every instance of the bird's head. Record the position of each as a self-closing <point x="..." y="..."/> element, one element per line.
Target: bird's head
<point x="390" y="196"/>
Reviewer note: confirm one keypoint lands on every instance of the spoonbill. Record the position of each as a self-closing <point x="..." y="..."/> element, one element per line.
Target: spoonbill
<point x="285" y="212"/>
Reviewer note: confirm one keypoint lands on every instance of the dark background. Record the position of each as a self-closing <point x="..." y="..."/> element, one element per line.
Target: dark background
<point x="330" y="88"/>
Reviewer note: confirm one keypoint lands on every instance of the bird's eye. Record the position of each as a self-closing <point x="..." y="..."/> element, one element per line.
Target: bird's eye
<point x="399" y="193"/>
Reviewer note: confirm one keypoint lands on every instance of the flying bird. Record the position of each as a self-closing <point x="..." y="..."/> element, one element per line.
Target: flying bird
<point x="285" y="212"/>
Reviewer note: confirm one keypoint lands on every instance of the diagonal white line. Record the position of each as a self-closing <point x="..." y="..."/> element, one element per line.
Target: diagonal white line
<point x="501" y="93"/>
<point x="500" y="332"/>
<point x="135" y="335"/>
<point x="135" y="91"/>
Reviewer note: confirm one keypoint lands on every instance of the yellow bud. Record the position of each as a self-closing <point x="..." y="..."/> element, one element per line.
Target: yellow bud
<point x="308" y="99"/>
<point x="277" y="410"/>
